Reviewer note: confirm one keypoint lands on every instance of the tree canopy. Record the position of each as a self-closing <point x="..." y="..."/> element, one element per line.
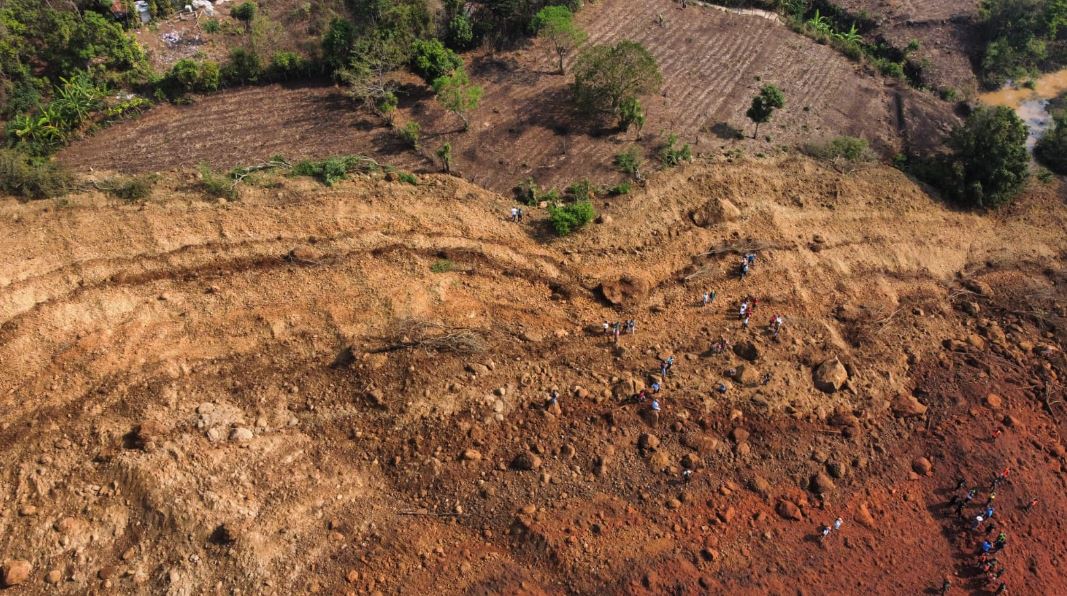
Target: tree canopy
<point x="556" y="25"/>
<point x="769" y="99"/>
<point x="457" y="94"/>
<point x="607" y="76"/>
<point x="989" y="163"/>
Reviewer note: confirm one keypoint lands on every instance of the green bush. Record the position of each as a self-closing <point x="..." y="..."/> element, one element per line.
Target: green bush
<point x="581" y="190"/>
<point x="1051" y="148"/>
<point x="244" y="12"/>
<point x="31" y="178"/>
<point x="570" y="218"/>
<point x="629" y="162"/>
<point x="622" y="188"/>
<point x="606" y="77"/>
<point x="460" y="33"/>
<point x="242" y="67"/>
<point x="216" y="185"/>
<point x="130" y="188"/>
<point x="409" y="134"/>
<point x="190" y="76"/>
<point x="337" y="44"/>
<point x="845" y="148"/>
<point x="333" y="169"/>
<point x="407" y="178"/>
<point x="671" y="155"/>
<point x="285" y="66"/>
<point x="442" y="266"/>
<point x="212" y="26"/>
<point x="529" y="193"/>
<point x="431" y="60"/>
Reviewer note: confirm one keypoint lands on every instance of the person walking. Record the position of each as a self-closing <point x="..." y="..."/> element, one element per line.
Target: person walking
<point x="655" y="409"/>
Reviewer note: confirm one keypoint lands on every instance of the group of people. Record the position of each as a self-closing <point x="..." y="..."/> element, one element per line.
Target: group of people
<point x="836" y="527"/>
<point x="982" y="527"/>
<point x="516" y="214"/>
<point x="618" y="327"/>
<point x="746" y="265"/>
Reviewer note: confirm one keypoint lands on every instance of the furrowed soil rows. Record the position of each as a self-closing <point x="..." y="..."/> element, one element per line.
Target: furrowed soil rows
<point x="713" y="63"/>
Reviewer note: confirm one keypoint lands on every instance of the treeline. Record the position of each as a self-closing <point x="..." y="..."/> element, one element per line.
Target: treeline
<point x="1021" y="38"/>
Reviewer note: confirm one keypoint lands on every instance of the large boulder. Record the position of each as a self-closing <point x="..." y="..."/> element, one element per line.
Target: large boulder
<point x="628" y="290"/>
<point x="715" y="211"/>
<point x="830" y="375"/>
<point x="747" y="350"/>
<point x="747" y="375"/>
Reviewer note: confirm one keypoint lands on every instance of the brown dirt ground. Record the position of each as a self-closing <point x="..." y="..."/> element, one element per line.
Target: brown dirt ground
<point x="713" y="63"/>
<point x="185" y="409"/>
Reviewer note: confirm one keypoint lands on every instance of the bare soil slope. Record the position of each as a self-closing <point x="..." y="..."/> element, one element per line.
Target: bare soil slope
<point x="280" y="396"/>
<point x="713" y="63"/>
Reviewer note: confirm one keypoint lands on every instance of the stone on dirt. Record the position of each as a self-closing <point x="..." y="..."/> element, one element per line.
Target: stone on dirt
<point x="526" y="461"/>
<point x="648" y="441"/>
<point x="471" y="455"/>
<point x="628" y="290"/>
<point x="921" y="465"/>
<point x="907" y="405"/>
<point x="747" y="350"/>
<point x="821" y="484"/>
<point x="747" y="375"/>
<point x="16" y="572"/>
<point x="789" y="510"/>
<point x="994" y="401"/>
<point x="830" y="375"/>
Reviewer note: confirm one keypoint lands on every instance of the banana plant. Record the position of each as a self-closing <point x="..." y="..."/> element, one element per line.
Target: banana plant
<point x="820" y="23"/>
<point x="850" y="36"/>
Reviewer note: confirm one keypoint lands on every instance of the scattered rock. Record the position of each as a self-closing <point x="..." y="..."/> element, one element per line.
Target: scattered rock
<point x="863" y="515"/>
<point x="27" y="510"/>
<point x="16" y="572"/>
<point x="747" y="350"/>
<point x="628" y="290"/>
<point x="994" y="401"/>
<point x="837" y="469"/>
<point x="691" y="461"/>
<point x="830" y="375"/>
<point x="908" y="405"/>
<point x="526" y="461"/>
<point x="760" y="486"/>
<point x="921" y="465"/>
<point x="821" y="484"/>
<point x="747" y="376"/>
<point x="53" y="577"/>
<point x="241" y="435"/>
<point x="471" y="455"/>
<point x="739" y="435"/>
<point x="789" y="510"/>
<point x="713" y="212"/>
<point x="648" y="442"/>
<point x="303" y="254"/>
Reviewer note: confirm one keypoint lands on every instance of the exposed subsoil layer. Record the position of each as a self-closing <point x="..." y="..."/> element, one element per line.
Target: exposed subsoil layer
<point x="713" y="63"/>
<point x="280" y="395"/>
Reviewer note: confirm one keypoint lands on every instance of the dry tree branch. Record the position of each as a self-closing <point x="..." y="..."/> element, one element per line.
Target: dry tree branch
<point x="411" y="334"/>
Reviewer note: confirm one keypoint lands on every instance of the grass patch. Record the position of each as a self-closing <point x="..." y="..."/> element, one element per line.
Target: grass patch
<point x="129" y="188"/>
<point x="31" y="177"/>
<point x="331" y="170"/>
<point x="442" y="266"/>
<point x="216" y="185"/>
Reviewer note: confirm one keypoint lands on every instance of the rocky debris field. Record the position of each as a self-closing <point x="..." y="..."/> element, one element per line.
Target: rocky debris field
<point x="348" y="389"/>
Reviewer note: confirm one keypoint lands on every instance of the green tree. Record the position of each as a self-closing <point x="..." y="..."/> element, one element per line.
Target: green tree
<point x="457" y="94"/>
<point x="989" y="163"/>
<point x="444" y="153"/>
<point x="460" y="32"/>
<point x="246" y="13"/>
<point x="570" y="218"/>
<point x="337" y="44"/>
<point x="555" y="24"/>
<point x="632" y="113"/>
<point x="368" y="75"/>
<point x="606" y="77"/>
<point x="431" y="60"/>
<point x="1051" y="148"/>
<point x="763" y="106"/>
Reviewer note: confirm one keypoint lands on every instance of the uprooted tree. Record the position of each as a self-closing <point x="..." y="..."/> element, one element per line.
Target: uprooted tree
<point x="608" y="77"/>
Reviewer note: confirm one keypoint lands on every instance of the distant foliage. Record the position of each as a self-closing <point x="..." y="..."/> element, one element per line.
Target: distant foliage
<point x="582" y="190"/>
<point x="286" y="66"/>
<point x="555" y="24"/>
<point x="457" y="94"/>
<point x="442" y="266"/>
<point x="243" y="67"/>
<point x="842" y="152"/>
<point x="130" y="188"/>
<point x="331" y="170"/>
<point x="1021" y="37"/>
<point x="191" y="76"/>
<point x="570" y="218"/>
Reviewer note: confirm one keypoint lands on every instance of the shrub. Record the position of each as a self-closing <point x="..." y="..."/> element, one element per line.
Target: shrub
<point x="671" y="155"/>
<point x="333" y="169"/>
<point x="841" y="149"/>
<point x="31" y="178"/>
<point x="243" y="67"/>
<point x="581" y="190"/>
<point x="212" y="26"/>
<point x="130" y="188"/>
<point x="216" y="185"/>
<point x="460" y="33"/>
<point x="409" y="134"/>
<point x="431" y="60"/>
<point x="244" y="12"/>
<point x="529" y="193"/>
<point x="631" y="113"/>
<point x="190" y="76"/>
<point x="337" y="44"/>
<point x="286" y="66"/>
<point x="1051" y="148"/>
<point x="622" y="188"/>
<point x="629" y="162"/>
<point x="407" y="178"/>
<point x="442" y="266"/>
<point x="570" y="218"/>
